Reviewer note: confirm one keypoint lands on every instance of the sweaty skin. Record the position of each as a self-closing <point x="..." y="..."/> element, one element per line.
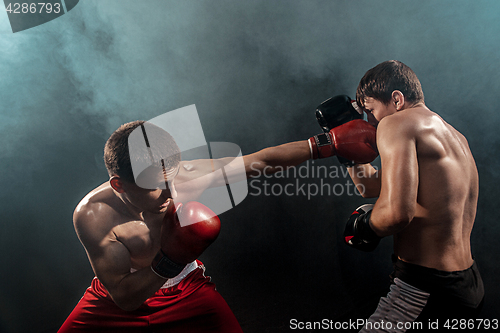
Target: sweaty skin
<point x="427" y="185"/>
<point x="120" y="226"/>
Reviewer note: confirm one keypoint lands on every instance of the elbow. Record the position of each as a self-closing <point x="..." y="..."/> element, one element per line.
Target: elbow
<point x="125" y="303"/>
<point x="390" y="222"/>
<point x="129" y="307"/>
<point x="400" y="219"/>
<point x="401" y="213"/>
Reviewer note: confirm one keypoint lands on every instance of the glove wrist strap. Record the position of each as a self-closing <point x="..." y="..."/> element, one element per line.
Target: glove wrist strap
<point x="321" y="146"/>
<point x="164" y="267"/>
<point x="358" y="232"/>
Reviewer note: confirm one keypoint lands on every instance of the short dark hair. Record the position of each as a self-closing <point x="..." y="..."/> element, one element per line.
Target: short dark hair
<point x="117" y="155"/>
<point x="380" y="81"/>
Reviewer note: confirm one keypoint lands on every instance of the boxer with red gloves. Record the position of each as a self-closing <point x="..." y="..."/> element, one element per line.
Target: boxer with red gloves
<point x="144" y="249"/>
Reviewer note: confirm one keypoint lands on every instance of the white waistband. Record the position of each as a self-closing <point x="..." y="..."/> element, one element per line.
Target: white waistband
<point x="176" y="279"/>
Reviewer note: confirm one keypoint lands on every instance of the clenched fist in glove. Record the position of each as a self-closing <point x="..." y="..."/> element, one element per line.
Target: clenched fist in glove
<point x="354" y="141"/>
<point x="181" y="245"/>
<point x="358" y="232"/>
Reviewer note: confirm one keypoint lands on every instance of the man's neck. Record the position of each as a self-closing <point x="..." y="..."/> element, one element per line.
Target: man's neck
<point x="414" y="106"/>
<point x="128" y="209"/>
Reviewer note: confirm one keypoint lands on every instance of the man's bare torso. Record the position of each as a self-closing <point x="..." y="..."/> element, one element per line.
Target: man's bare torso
<point x="113" y="222"/>
<point x="439" y="234"/>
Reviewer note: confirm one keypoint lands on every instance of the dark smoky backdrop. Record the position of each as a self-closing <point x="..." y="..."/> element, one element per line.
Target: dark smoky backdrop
<point x="256" y="70"/>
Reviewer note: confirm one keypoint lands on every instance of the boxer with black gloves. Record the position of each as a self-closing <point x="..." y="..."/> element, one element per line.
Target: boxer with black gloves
<point x="427" y="191"/>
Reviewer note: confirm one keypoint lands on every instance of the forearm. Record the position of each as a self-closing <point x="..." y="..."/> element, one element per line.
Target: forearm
<point x="278" y="158"/>
<point x="206" y="173"/>
<point x="387" y="219"/>
<point x="135" y="288"/>
<point x="367" y="180"/>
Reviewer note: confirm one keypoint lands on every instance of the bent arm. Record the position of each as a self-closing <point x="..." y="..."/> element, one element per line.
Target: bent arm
<point x="111" y="262"/>
<point x="367" y="179"/>
<point x="396" y="205"/>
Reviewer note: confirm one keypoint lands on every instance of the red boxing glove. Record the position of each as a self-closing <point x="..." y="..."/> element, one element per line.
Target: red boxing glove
<point x="354" y="141"/>
<point x="181" y="245"/>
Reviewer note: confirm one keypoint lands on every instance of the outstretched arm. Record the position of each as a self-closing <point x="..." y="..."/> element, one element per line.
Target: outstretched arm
<point x="278" y="158"/>
<point x="354" y="141"/>
<point x="202" y="174"/>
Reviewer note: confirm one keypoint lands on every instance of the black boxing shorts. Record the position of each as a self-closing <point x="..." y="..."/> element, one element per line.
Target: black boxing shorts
<point x="420" y="297"/>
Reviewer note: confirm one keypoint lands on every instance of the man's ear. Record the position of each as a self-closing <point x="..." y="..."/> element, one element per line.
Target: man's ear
<point x="117" y="184"/>
<point x="398" y="99"/>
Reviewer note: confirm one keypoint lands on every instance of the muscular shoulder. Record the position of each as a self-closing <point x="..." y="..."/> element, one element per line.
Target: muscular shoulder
<point x="410" y="123"/>
<point x="95" y="215"/>
<point x="430" y="134"/>
<point x="395" y="128"/>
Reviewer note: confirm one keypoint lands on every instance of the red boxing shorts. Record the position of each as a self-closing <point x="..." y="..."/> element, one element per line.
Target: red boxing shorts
<point x="193" y="305"/>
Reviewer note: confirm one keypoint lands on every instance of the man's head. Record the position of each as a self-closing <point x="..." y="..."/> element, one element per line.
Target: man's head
<point x="153" y="185"/>
<point x="390" y="84"/>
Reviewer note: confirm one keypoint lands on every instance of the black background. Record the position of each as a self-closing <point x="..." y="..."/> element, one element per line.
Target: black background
<point x="256" y="70"/>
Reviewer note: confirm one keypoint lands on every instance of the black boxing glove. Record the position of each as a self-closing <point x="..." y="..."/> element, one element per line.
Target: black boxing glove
<point x="336" y="111"/>
<point x="358" y="232"/>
